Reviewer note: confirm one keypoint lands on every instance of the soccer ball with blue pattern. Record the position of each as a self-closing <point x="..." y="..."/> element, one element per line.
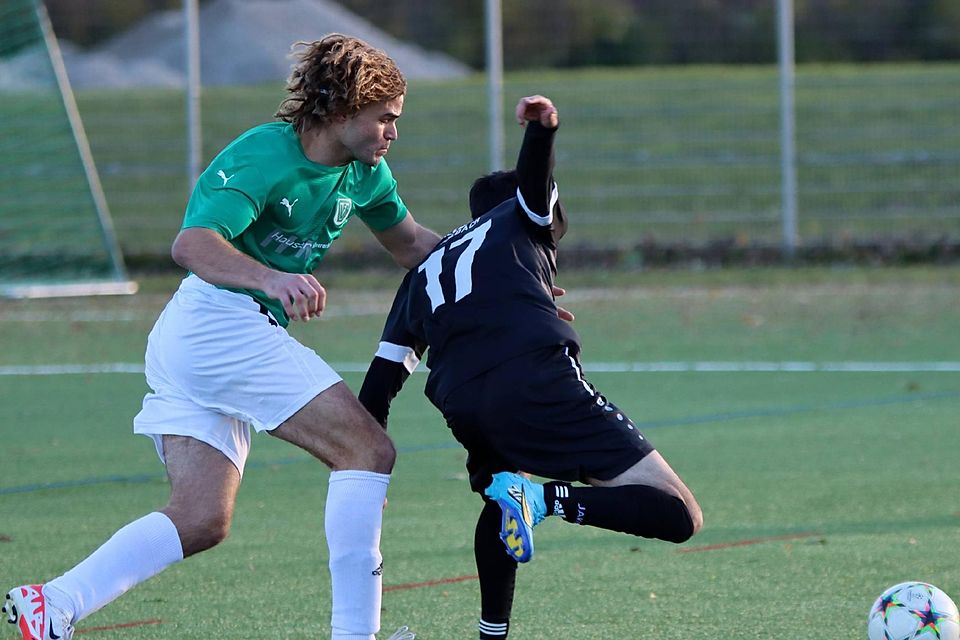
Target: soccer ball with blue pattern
<point x="913" y="611"/>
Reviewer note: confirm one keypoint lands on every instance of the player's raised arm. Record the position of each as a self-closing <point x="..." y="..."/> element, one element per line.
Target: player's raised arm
<point x="537" y="189"/>
<point x="535" y="161"/>
<point x="537" y="109"/>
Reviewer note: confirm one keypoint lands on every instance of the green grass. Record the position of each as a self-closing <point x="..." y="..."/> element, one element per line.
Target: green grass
<point x="679" y="152"/>
<point x="845" y="482"/>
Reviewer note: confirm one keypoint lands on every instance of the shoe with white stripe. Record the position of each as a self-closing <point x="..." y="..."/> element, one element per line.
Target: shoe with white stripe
<point x="27" y="607"/>
<point x="521" y="502"/>
<point x="403" y="633"/>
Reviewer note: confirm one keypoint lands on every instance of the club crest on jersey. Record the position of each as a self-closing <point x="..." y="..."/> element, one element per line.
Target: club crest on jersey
<point x="342" y="212"/>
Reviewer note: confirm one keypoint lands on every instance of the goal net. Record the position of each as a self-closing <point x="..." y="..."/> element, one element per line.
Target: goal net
<point x="56" y="236"/>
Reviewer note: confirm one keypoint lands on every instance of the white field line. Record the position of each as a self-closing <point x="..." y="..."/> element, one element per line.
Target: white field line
<point x="149" y="315"/>
<point x="787" y="367"/>
<point x="356" y="304"/>
<point x="67" y="369"/>
<point x="598" y="367"/>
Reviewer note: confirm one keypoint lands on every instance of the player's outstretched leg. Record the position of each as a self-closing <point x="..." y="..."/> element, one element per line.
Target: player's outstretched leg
<point x="27" y="607"/>
<point x="636" y="509"/>
<point x="521" y="502"/>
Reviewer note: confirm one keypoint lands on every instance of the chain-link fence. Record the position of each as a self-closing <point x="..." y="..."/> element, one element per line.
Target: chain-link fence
<point x="649" y="156"/>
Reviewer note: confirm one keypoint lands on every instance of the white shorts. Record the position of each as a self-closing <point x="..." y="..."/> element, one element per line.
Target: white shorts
<point x="217" y="366"/>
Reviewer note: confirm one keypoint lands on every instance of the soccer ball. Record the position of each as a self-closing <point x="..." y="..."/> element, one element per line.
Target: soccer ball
<point x="913" y="611"/>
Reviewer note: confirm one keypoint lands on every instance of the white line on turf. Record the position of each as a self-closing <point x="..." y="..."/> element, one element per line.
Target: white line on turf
<point x="593" y="367"/>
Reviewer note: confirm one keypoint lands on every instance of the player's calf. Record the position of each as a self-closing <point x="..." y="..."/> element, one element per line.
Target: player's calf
<point x="636" y="509"/>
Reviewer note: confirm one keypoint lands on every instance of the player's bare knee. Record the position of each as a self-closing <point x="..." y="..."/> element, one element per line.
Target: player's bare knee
<point x="383" y="455"/>
<point x="217" y="528"/>
<point x="367" y="450"/>
<point x="690" y="504"/>
<point x="693" y="509"/>
<point x="205" y="533"/>
<point x="694" y="521"/>
<point x="211" y="533"/>
<point x="696" y="515"/>
<point x="199" y="531"/>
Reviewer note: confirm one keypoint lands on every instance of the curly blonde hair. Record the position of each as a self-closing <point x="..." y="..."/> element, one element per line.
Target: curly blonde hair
<point x="337" y="75"/>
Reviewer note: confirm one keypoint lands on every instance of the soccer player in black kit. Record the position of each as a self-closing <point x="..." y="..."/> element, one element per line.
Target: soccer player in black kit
<point x="505" y="373"/>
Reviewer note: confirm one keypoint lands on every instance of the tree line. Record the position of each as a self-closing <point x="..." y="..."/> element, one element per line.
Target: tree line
<point x="573" y="33"/>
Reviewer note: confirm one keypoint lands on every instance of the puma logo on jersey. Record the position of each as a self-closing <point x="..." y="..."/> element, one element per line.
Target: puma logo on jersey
<point x="289" y="205"/>
<point x="224" y="177"/>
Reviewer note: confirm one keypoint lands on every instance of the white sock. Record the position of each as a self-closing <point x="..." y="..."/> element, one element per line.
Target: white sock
<point x="352" y="521"/>
<point x="135" y="553"/>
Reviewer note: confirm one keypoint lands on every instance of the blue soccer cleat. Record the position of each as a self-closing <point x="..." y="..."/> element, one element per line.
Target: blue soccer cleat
<point x="523" y="507"/>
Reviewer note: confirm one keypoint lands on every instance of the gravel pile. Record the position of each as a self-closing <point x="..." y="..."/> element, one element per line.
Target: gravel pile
<point x="241" y="42"/>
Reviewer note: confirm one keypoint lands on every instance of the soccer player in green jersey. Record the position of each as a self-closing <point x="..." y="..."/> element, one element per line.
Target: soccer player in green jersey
<point x="220" y="361"/>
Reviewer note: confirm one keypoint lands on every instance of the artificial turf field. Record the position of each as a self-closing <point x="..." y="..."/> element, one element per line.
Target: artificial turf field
<point x="819" y="487"/>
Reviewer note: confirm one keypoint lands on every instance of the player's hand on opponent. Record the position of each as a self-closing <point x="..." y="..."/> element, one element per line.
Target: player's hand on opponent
<point x="537" y="108"/>
<point x="302" y="296"/>
<point x="562" y="313"/>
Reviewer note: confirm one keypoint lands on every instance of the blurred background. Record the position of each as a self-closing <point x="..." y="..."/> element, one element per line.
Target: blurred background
<point x="808" y="396"/>
<point x="671" y="151"/>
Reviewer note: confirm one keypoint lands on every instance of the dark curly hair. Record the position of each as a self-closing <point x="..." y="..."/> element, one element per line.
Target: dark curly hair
<point x="337" y="75"/>
<point x="490" y="190"/>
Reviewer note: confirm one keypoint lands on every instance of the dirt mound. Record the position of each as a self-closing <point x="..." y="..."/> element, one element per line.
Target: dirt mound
<point x="241" y="42"/>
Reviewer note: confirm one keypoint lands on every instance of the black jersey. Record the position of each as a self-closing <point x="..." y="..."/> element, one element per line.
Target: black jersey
<point x="483" y="295"/>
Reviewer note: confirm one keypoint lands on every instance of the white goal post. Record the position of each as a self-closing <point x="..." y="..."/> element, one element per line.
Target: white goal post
<point x="55" y="227"/>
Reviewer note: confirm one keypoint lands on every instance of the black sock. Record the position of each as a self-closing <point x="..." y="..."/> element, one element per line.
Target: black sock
<point x="635" y="508"/>
<point x="497" y="572"/>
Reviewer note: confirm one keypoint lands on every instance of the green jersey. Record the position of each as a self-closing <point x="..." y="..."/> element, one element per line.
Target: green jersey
<point x="275" y="205"/>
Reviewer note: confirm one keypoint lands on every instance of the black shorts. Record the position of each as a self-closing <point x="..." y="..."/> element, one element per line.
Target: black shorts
<point x="537" y="413"/>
